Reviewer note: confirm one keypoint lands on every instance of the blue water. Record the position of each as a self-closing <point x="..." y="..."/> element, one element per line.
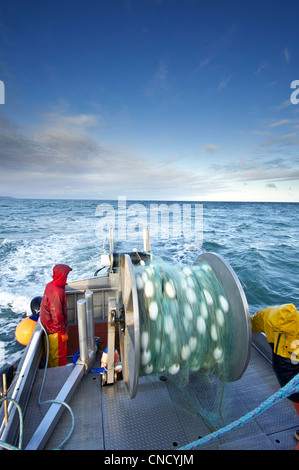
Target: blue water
<point x="259" y="241"/>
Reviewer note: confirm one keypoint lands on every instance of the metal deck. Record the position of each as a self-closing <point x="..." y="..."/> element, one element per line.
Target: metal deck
<point x="156" y="419"/>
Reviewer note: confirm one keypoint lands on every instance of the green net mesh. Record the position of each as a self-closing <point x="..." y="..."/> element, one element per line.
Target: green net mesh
<point x="185" y="332"/>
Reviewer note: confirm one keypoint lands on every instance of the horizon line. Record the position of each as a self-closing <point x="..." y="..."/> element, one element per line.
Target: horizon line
<point x="145" y="200"/>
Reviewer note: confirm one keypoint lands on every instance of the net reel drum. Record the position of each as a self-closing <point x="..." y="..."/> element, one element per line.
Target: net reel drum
<point x="130" y="319"/>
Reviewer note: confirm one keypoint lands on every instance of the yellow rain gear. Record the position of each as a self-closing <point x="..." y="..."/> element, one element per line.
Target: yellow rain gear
<point x="281" y="327"/>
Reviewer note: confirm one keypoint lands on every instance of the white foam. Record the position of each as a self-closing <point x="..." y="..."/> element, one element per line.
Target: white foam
<point x="17" y="303"/>
<point x="30" y="264"/>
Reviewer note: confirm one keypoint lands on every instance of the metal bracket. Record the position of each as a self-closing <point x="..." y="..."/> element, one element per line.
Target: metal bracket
<point x="112" y="310"/>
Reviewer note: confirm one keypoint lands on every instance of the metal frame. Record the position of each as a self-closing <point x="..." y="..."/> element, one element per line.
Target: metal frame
<point x="130" y="332"/>
<point x="110" y="373"/>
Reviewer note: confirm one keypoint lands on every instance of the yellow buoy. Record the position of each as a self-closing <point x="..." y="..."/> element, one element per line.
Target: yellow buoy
<point x="24" y="331"/>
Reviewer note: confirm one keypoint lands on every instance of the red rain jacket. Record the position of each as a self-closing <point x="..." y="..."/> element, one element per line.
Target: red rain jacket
<point x="53" y="313"/>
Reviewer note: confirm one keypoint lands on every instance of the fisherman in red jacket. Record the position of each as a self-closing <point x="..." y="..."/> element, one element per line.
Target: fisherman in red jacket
<point x="53" y="316"/>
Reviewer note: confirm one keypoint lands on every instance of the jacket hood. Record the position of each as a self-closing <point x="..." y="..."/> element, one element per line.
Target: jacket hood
<point x="60" y="274"/>
<point x="285" y="319"/>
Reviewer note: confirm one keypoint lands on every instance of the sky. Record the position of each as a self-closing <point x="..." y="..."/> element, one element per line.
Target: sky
<point x="150" y="99"/>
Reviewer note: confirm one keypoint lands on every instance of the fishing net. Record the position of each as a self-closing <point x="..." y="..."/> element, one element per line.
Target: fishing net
<point x="186" y="333"/>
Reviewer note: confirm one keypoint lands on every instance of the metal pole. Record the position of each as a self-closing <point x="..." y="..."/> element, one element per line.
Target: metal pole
<point x="90" y="319"/>
<point x="111" y="239"/>
<point x="5" y="396"/>
<point x="146" y="239"/>
<point x="82" y="328"/>
<point x="111" y="242"/>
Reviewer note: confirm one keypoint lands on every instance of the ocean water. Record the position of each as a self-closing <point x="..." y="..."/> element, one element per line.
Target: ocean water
<point x="259" y="241"/>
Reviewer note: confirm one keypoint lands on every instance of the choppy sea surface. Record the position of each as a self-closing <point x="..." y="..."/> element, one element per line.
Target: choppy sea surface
<point x="258" y="240"/>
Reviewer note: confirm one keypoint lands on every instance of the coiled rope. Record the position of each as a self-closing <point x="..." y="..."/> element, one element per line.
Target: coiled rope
<point x="7" y="446"/>
<point x="291" y="387"/>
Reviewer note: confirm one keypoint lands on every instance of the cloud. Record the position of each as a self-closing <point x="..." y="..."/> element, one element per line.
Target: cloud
<point x="285" y="104"/>
<point x="59" y="141"/>
<point x="276" y="163"/>
<point x="247" y="170"/>
<point x="287" y="55"/>
<point x="61" y="158"/>
<point x="81" y="121"/>
<point x="224" y="82"/>
<point x="282" y="122"/>
<point x="204" y="63"/>
<point x="285" y="140"/>
<point x="211" y="148"/>
<point x="245" y="164"/>
<point x="159" y="80"/>
<point x="64" y="156"/>
<point x="263" y="65"/>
